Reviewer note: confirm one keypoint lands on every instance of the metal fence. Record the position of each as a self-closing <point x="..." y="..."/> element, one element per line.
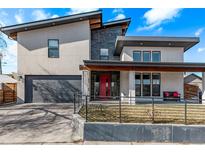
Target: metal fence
<point x="139" y="109"/>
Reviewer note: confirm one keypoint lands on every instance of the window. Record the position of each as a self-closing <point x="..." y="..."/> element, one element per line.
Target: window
<point x="104" y="54"/>
<point x="138" y="84"/>
<point x="146" y="56"/>
<point x="155" y="84"/>
<point x="156" y="56"/>
<point x="53" y="48"/>
<point x="146" y="84"/>
<point x="137" y="56"/>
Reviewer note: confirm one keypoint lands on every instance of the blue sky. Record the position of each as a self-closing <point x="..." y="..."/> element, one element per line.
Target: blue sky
<point x="149" y="22"/>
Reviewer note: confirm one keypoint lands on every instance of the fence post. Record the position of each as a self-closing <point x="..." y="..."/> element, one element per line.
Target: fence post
<point x="120" y="110"/>
<point x="74" y="103"/>
<point x="86" y="108"/>
<point x="185" y="112"/>
<point x="152" y="110"/>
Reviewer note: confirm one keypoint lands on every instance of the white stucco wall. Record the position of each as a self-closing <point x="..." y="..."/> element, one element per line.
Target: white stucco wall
<point x="170" y="81"/>
<point x="168" y="54"/>
<point x="74" y="40"/>
<point x="32" y="49"/>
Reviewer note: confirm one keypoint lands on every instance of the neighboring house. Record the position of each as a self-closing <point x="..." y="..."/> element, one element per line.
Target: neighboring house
<point x="57" y="57"/>
<point x="193" y="79"/>
<point x="192" y="86"/>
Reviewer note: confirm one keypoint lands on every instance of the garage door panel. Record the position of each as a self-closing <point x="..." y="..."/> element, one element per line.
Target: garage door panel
<point x="54" y="89"/>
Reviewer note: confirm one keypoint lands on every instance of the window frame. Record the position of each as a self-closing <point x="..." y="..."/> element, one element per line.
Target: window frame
<point x="104" y="57"/>
<point x="159" y="56"/>
<point x="140" y="55"/>
<point x="150" y="84"/>
<point x="54" y="48"/>
<point x="159" y="84"/>
<point x="150" y="56"/>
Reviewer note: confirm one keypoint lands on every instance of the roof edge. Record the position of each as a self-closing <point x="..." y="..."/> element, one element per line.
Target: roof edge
<point x="52" y="19"/>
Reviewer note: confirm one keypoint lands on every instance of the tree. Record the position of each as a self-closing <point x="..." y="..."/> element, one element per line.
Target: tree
<point x="3" y="46"/>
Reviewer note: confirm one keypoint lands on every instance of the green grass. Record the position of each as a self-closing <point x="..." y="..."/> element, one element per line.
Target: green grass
<point x="163" y="113"/>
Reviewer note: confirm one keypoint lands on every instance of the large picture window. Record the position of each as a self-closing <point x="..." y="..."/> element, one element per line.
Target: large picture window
<point x="138" y="84"/>
<point x="155" y="84"/>
<point x="53" y="48"/>
<point x="146" y="84"/>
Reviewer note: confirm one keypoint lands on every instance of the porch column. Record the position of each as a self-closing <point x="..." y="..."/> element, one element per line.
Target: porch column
<point x="85" y="82"/>
<point x="132" y="87"/>
<point x="203" y="87"/>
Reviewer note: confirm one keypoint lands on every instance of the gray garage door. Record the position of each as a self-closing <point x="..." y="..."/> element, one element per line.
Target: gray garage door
<point x="51" y="88"/>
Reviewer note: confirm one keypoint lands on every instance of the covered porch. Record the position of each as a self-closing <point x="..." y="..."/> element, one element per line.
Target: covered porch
<point x="128" y="70"/>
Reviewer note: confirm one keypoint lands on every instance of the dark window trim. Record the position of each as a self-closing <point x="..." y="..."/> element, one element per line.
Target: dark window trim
<point x="53" y="48"/>
<point x="159" y="54"/>
<point x="140" y="54"/>
<point x="150" y="56"/>
<point x="151" y="83"/>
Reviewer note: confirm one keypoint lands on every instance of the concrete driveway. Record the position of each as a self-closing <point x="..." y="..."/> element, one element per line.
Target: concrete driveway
<point x="36" y="123"/>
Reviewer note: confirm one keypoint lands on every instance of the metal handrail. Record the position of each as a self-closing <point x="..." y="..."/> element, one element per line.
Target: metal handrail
<point x="149" y="100"/>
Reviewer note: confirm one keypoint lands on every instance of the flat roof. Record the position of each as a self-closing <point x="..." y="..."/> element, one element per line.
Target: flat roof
<point x="155" y="41"/>
<point x="99" y="65"/>
<point x="51" y="22"/>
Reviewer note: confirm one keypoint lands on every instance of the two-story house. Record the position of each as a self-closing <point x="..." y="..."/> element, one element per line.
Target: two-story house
<point x="59" y="56"/>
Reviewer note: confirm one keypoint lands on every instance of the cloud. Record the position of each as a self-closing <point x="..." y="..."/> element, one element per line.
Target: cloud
<point x="3" y="18"/>
<point x="120" y="16"/>
<point x="19" y="16"/>
<point x="159" y="29"/>
<point x="40" y="14"/>
<point x="157" y="16"/>
<point x="81" y="10"/>
<point x="55" y="16"/>
<point x="198" y="32"/>
<point x="119" y="10"/>
<point x="201" y="49"/>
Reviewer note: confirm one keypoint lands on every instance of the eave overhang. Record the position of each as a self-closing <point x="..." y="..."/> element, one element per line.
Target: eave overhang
<point x="94" y="17"/>
<point x="154" y="41"/>
<point x="99" y="65"/>
<point x="124" y="23"/>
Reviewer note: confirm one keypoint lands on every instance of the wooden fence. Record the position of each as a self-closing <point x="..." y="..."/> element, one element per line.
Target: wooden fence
<point x="8" y="93"/>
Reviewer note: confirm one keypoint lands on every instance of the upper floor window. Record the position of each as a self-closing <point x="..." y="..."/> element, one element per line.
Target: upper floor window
<point x="104" y="55"/>
<point x="156" y="56"/>
<point x="137" y="56"/>
<point x="53" y="48"/>
<point x="146" y="56"/>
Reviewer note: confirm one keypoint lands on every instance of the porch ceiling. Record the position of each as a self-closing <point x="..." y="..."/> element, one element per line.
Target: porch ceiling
<point x="101" y="65"/>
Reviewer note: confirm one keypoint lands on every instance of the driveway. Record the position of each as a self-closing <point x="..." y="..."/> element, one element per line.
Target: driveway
<point x="36" y="123"/>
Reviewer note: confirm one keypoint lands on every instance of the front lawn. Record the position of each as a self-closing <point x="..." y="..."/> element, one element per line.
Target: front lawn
<point x="142" y="113"/>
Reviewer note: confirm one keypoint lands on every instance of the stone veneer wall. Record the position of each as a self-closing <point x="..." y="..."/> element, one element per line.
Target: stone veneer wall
<point x="104" y="38"/>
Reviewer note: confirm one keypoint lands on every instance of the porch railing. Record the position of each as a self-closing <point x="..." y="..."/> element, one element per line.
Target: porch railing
<point x="140" y="109"/>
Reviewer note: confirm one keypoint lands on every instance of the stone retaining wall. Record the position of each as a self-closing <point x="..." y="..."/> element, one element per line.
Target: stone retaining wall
<point x="166" y="133"/>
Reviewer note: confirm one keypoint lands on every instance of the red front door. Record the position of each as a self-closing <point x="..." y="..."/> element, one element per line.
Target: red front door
<point x="105" y="85"/>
